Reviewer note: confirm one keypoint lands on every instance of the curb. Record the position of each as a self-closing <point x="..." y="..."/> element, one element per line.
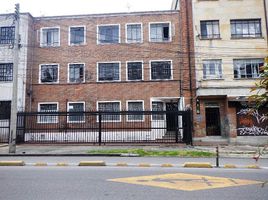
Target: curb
<point x="64" y="155"/>
<point x="12" y="163"/>
<point x="92" y="163"/>
<point x="197" y="165"/>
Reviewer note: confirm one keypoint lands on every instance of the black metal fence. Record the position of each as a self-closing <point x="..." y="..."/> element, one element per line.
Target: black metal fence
<point x="4" y="128"/>
<point x="105" y="127"/>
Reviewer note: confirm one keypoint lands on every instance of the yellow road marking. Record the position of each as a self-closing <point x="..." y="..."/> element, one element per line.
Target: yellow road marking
<point x="187" y="182"/>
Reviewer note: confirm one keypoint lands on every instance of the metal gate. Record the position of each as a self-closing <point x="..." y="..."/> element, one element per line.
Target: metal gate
<point x="105" y="127"/>
<point x="4" y="128"/>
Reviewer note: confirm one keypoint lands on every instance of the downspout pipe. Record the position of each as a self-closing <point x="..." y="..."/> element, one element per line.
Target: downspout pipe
<point x="266" y="21"/>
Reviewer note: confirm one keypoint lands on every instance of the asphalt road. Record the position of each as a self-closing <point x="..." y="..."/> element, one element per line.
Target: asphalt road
<point x="135" y="160"/>
<point x="92" y="183"/>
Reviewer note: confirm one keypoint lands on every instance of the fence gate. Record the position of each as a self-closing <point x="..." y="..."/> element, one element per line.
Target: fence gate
<point x="4" y="128"/>
<point x="105" y="127"/>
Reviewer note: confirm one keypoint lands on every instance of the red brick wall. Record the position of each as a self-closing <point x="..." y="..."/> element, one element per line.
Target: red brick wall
<point x="91" y="53"/>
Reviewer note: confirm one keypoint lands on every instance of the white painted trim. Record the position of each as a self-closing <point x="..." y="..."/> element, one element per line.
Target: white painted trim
<point x="41" y="36"/>
<point x="68" y="78"/>
<point x="119" y="62"/>
<point x="58" y="65"/>
<point x="170" y="31"/>
<point x="130" y="101"/>
<point x="69" y="35"/>
<point x="84" y="105"/>
<point x="140" y="23"/>
<point x="142" y="68"/>
<point x="119" y="33"/>
<point x="56" y="117"/>
<point x="157" y="99"/>
<point x="171" y="68"/>
<point x="113" y="101"/>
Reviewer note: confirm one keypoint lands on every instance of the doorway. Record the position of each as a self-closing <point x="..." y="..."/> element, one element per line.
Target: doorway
<point x="213" y="124"/>
<point x="172" y="118"/>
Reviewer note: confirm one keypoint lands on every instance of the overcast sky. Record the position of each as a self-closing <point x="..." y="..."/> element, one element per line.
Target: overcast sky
<point x="68" y="7"/>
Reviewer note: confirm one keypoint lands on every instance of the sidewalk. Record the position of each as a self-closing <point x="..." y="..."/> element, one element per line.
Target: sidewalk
<point x="230" y="151"/>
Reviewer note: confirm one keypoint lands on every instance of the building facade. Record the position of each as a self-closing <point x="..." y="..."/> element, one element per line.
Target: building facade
<point x="230" y="48"/>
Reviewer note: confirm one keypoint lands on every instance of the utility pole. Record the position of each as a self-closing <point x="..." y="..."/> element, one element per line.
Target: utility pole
<point x="14" y="107"/>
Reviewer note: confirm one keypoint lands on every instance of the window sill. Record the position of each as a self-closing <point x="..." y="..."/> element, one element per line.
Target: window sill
<point x="108" y="43"/>
<point x="245" y="79"/>
<point x="210" y="38"/>
<point x="54" y="83"/>
<point x="50" y="46"/>
<point x="134" y="42"/>
<point x="245" y="38"/>
<point x="160" y="41"/>
<point x="114" y="81"/>
<point x="213" y="79"/>
<point x="77" y="45"/>
<point x="161" y="79"/>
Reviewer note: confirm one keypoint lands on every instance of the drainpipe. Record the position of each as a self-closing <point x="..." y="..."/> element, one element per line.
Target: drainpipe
<point x="266" y="21"/>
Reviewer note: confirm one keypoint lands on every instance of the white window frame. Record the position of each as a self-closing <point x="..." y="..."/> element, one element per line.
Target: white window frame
<point x="170" y="31"/>
<point x="120" y="108"/>
<point x="68" y="107"/>
<point x="164" y="108"/>
<point x="119" y="33"/>
<point x="69" y="35"/>
<point x="40" y="73"/>
<point x="142" y="68"/>
<point x="171" y="69"/>
<point x="240" y="74"/>
<point x="56" y="117"/>
<point x="134" y="101"/>
<point x="213" y="77"/>
<point x="68" y="78"/>
<point x="119" y="62"/>
<point x="126" y="40"/>
<point x="41" y="36"/>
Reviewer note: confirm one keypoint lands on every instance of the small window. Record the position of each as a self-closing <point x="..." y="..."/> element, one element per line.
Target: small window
<point x="76" y="73"/>
<point x="6" y="72"/>
<point x="247" y="68"/>
<point x="250" y="28"/>
<point x="108" y="72"/>
<point x="134" y="33"/>
<point x="112" y="108"/>
<point x="7" y="35"/>
<point x="157" y="106"/>
<point x="77" y="35"/>
<point x="160" y="32"/>
<point x="48" y="118"/>
<point x="161" y="70"/>
<point x="210" y="29"/>
<point x="49" y="74"/>
<point x="50" y="37"/>
<point x="134" y="71"/>
<point x="5" y="109"/>
<point x="108" y="34"/>
<point x="76" y="112"/>
<point x="212" y="69"/>
<point x="135" y="106"/>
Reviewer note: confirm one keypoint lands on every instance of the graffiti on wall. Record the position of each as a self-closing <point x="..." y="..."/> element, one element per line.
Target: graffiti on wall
<point x="252" y="123"/>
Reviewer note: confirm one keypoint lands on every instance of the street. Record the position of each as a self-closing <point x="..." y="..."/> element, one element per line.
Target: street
<point x="99" y="183"/>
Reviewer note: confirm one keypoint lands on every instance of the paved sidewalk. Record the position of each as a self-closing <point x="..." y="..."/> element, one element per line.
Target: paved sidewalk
<point x="234" y="151"/>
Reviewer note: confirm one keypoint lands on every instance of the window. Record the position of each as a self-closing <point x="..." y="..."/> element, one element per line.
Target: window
<point x="7" y="35"/>
<point x="6" y="72"/>
<point x="49" y="73"/>
<point x="246" y="28"/>
<point x="160" y="70"/>
<point x="108" y="34"/>
<point x="135" y="106"/>
<point x="76" y="110"/>
<point x="5" y="109"/>
<point x="77" y="35"/>
<point x="110" y="107"/>
<point x="157" y="106"/>
<point x="134" y="71"/>
<point x="247" y="68"/>
<point x="76" y="73"/>
<point x="108" y="71"/>
<point x="134" y="33"/>
<point x="212" y="69"/>
<point x="48" y="118"/>
<point x="50" y="37"/>
<point x="160" y="32"/>
<point x="210" y="29"/>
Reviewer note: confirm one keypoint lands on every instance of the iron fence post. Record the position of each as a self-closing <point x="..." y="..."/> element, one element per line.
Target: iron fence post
<point x="100" y="129"/>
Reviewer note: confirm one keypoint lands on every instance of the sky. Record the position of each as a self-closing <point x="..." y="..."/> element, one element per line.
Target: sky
<point x="73" y="7"/>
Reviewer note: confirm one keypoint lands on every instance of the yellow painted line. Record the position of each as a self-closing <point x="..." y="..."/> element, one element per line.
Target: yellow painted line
<point x="144" y="165"/>
<point x="61" y="164"/>
<point x="40" y="164"/>
<point x="252" y="167"/>
<point x="122" y="164"/>
<point x="12" y="163"/>
<point x="229" y="166"/>
<point x="92" y="163"/>
<point x="186" y="182"/>
<point x="166" y="165"/>
<point x="197" y="165"/>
